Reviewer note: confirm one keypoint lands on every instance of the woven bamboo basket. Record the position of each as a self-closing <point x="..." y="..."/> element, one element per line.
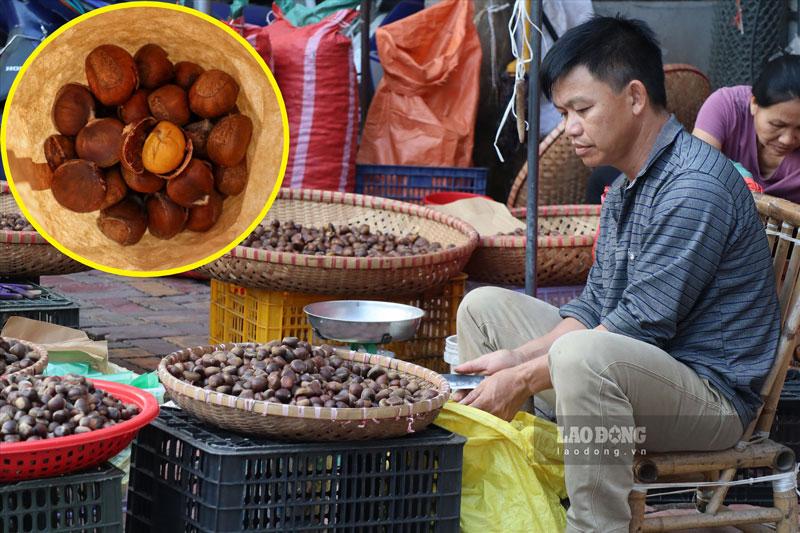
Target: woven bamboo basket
<point x="687" y="89"/>
<point x="35" y="369"/>
<point x="564" y="252"/>
<point x="26" y="253"/>
<point x="351" y="276"/>
<point x="290" y="422"/>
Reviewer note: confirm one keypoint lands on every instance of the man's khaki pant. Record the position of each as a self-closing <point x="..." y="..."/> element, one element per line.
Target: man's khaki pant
<point x="627" y="388"/>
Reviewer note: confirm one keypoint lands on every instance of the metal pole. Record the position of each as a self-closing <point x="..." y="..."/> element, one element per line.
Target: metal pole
<point x="203" y="6"/>
<point x="366" y="78"/>
<point x="533" y="148"/>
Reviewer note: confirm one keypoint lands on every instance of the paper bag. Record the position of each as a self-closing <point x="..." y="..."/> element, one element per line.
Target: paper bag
<point x="486" y="216"/>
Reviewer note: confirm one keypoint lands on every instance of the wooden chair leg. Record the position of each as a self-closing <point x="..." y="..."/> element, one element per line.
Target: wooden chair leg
<point x="636" y="500"/>
<point x="786" y="501"/>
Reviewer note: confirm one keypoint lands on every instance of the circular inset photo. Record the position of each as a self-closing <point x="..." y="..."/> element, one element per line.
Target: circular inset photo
<point x="145" y="139"/>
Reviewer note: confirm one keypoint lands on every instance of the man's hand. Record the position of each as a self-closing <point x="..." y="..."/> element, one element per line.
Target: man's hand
<point x="486" y="365"/>
<point x="501" y="394"/>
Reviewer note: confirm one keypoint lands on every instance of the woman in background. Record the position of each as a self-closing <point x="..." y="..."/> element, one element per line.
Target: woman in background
<point x="759" y="126"/>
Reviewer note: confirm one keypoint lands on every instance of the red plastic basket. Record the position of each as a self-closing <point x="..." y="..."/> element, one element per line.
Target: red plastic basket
<point x="20" y="461"/>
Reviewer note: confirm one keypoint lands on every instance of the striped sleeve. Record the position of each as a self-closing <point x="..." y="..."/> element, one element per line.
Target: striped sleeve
<point x="681" y="250"/>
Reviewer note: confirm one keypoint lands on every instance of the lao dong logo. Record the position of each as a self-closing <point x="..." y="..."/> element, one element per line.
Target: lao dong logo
<point x="602" y="435"/>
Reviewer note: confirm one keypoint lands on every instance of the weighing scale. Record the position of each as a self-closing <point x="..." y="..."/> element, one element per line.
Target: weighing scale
<point x="365" y="324"/>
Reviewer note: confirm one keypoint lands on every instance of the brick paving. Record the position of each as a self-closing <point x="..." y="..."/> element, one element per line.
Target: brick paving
<point x="142" y="319"/>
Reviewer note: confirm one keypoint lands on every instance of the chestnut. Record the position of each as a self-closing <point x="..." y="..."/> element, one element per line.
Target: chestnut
<point x="169" y="103"/>
<point x="116" y="189"/>
<point x="124" y="222"/>
<point x="152" y="66"/>
<point x="198" y="132"/>
<point x="231" y="181"/>
<point x="186" y="73"/>
<point x="79" y="185"/>
<point x="164" y="148"/>
<point x="228" y="141"/>
<point x="165" y="218"/>
<point x="136" y="108"/>
<point x="58" y="149"/>
<point x="193" y="186"/>
<point x="73" y="107"/>
<point x="111" y="73"/>
<point x="203" y="217"/>
<point x="100" y="141"/>
<point x="213" y="94"/>
<point x="146" y="182"/>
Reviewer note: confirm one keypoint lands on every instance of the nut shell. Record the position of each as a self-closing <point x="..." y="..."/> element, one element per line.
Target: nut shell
<point x="73" y="108"/>
<point x="136" y="108"/>
<point x="170" y="103"/>
<point x="111" y="73"/>
<point x="186" y="73"/>
<point x="100" y="141"/>
<point x="116" y="189"/>
<point x="193" y="186"/>
<point x="79" y="185"/>
<point x="228" y="141"/>
<point x="124" y="222"/>
<point x="146" y="182"/>
<point x="203" y="217"/>
<point x="133" y="137"/>
<point x="165" y="218"/>
<point x="198" y="133"/>
<point x="231" y="181"/>
<point x="213" y="94"/>
<point x="153" y="66"/>
<point x="164" y="148"/>
<point x="58" y="149"/>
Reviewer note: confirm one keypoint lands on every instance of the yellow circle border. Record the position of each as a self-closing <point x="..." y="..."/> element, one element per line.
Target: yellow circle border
<point x="150" y="273"/>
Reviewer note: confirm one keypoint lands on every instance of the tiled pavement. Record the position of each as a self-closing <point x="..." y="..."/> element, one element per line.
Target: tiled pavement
<point x="142" y="319"/>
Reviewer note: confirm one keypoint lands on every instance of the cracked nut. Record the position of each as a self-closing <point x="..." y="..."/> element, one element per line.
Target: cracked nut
<point x="164" y="148"/>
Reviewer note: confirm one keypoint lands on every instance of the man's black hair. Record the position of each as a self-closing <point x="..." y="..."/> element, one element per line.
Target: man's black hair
<point x="615" y="50"/>
<point x="778" y="82"/>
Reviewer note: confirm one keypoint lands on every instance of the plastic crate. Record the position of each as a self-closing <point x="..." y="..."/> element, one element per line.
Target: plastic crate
<point x="50" y="307"/>
<point x="240" y="314"/>
<point x="785" y="430"/>
<point x="190" y="477"/>
<point x="88" y="501"/>
<point x="413" y="184"/>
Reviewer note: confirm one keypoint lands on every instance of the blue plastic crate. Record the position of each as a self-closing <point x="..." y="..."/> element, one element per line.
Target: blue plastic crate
<point x="412" y="184"/>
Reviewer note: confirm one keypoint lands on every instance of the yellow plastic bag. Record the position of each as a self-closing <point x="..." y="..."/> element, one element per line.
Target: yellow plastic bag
<point x="513" y="474"/>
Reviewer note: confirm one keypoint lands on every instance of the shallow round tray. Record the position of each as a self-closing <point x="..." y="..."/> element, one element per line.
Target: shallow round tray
<point x="290" y="422"/>
<point x="364" y="321"/>
<point x="351" y="276"/>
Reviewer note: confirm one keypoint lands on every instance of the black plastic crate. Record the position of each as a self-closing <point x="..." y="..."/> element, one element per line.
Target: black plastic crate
<point x="90" y="501"/>
<point x="413" y="184"/>
<point x="785" y="430"/>
<point x="190" y="477"/>
<point x="50" y="307"/>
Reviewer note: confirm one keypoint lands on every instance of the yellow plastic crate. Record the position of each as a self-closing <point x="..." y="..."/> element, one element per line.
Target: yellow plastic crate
<point x="240" y="314"/>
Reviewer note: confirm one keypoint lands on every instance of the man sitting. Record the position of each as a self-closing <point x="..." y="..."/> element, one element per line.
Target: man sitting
<point x="668" y="344"/>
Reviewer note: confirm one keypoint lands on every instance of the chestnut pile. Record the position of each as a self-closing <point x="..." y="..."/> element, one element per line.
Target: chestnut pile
<point x="37" y="407"/>
<point x="348" y="241"/>
<point x="15" y="356"/>
<point x="14" y="222"/>
<point x="153" y="145"/>
<point x="295" y="373"/>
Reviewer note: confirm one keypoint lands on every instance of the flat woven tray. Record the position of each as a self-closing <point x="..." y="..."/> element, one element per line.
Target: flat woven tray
<point x="26" y="253"/>
<point x="564" y="253"/>
<point x="36" y="368"/>
<point x="351" y="276"/>
<point x="290" y="422"/>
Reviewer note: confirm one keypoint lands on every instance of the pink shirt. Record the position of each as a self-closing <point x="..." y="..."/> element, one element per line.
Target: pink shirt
<point x="726" y="116"/>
